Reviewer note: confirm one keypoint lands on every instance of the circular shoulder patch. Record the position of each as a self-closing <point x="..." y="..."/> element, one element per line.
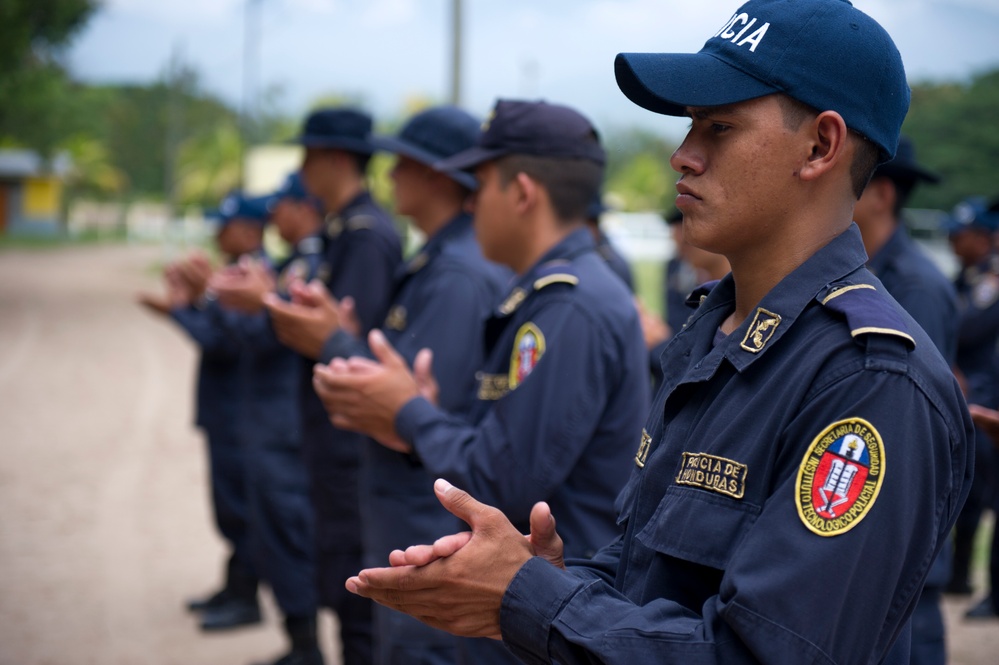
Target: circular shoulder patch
<point x="840" y="477"/>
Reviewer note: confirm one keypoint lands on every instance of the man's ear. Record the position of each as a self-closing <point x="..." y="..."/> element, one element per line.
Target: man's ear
<point x="527" y="192"/>
<point x="827" y="135"/>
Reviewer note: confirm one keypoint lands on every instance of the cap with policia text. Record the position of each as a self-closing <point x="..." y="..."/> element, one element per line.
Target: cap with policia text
<point x="530" y="128"/>
<point x="824" y="53"/>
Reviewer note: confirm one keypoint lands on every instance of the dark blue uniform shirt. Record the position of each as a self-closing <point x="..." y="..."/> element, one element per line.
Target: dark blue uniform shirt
<point x="920" y="288"/>
<point x="978" y="329"/>
<point x="617" y="263"/>
<point x="795" y="482"/>
<point x="558" y="401"/>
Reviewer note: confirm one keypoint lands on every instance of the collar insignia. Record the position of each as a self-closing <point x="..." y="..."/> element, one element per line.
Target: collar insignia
<point x="513" y="301"/>
<point x="643" y="449"/>
<point x="760" y="330"/>
<point x="396" y="319"/>
<point x="334" y="226"/>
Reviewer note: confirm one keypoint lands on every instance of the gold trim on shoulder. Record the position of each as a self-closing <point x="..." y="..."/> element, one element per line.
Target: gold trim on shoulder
<point x="883" y="331"/>
<point x="841" y="291"/>
<point x="560" y="278"/>
<point x="760" y="330"/>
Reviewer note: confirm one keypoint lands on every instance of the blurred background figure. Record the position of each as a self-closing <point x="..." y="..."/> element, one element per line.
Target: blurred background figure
<point x="971" y="229"/>
<point x="605" y="248"/>
<point x="239" y="224"/>
<point x="928" y="296"/>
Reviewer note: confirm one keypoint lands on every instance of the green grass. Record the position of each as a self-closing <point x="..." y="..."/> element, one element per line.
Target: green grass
<point x="649" y="281"/>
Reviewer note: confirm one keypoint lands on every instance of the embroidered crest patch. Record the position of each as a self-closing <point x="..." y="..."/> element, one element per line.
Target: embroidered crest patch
<point x="840" y="477"/>
<point x="528" y="347"/>
<point x="760" y="330"/>
<point x="985" y="292"/>
<point x="713" y="473"/>
<point x="643" y="449"/>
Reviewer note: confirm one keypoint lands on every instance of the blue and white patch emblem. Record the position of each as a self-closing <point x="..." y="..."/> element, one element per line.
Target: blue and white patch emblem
<point x="528" y="347"/>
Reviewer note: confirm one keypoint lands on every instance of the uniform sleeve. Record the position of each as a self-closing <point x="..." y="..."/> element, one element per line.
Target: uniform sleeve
<point x="367" y="275"/>
<point x="205" y="332"/>
<point x="787" y="594"/>
<point x="342" y="344"/>
<point x="978" y="324"/>
<point x="935" y="310"/>
<point x="529" y="441"/>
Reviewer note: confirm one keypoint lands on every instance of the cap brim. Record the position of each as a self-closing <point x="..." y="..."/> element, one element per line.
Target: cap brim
<point x="359" y="146"/>
<point x="398" y="146"/>
<point x="668" y="83"/>
<point x="901" y="172"/>
<point x="469" y="159"/>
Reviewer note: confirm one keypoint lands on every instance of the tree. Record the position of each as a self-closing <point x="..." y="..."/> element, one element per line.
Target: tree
<point x="954" y="130"/>
<point x="36" y="94"/>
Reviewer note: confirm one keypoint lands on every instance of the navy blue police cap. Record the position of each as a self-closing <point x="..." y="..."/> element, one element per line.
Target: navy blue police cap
<point x="239" y="207"/>
<point x="339" y="128"/>
<point x="903" y="167"/>
<point x="973" y="213"/>
<point x="293" y="188"/>
<point x="539" y="129"/>
<point x="433" y="135"/>
<point x="823" y="53"/>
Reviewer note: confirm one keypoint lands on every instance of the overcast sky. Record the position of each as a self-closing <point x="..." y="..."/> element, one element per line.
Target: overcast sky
<point x="388" y="51"/>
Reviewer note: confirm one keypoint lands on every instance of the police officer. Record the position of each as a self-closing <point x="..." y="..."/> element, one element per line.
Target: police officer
<point x="970" y="229"/>
<point x="441" y="299"/>
<point x="809" y="449"/>
<point x="564" y="378"/>
<point x="217" y="409"/>
<point x="361" y="252"/>
<point x="281" y="515"/>
<point x="928" y="296"/>
<point x="618" y="264"/>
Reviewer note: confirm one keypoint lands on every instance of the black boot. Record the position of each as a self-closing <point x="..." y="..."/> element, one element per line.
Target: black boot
<point x="301" y="631"/>
<point x="233" y="607"/>
<point x="964" y="545"/>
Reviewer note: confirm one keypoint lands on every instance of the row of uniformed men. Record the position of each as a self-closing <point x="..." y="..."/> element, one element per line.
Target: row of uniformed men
<point x="529" y="359"/>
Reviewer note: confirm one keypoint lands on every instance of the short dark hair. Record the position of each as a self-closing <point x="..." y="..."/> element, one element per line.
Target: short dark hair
<point x="572" y="184"/>
<point x="866" y="157"/>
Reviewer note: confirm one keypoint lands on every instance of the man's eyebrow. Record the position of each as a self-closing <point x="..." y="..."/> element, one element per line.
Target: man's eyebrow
<point x="702" y="112"/>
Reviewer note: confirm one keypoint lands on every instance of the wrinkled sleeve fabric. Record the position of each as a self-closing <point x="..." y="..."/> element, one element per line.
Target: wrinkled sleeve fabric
<point x="205" y="332"/>
<point x="367" y="276"/>
<point x="787" y="594"/>
<point x="499" y="461"/>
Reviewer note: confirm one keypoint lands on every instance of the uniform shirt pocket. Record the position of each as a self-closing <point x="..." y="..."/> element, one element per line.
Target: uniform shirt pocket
<point x="698" y="526"/>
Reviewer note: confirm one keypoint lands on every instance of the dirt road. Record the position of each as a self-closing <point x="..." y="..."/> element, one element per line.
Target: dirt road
<point x="105" y="527"/>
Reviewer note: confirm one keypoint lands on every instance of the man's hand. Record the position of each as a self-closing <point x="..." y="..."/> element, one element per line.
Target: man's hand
<point x="987" y="420"/>
<point x="193" y="273"/>
<point x="244" y="286"/>
<point x="305" y="323"/>
<point x="365" y="396"/>
<point x="460" y="592"/>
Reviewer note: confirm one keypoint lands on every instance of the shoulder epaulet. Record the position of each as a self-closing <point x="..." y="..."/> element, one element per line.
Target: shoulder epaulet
<point x="357" y="222"/>
<point x="557" y="273"/>
<point x="698" y="295"/>
<point x="867" y="311"/>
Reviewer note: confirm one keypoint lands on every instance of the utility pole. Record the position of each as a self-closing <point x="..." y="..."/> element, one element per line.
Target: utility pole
<point x="251" y="67"/>
<point x="456" y="52"/>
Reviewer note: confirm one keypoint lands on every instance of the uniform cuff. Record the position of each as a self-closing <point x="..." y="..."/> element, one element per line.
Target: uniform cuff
<point x="414" y="414"/>
<point x="339" y="345"/>
<point x="536" y="595"/>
